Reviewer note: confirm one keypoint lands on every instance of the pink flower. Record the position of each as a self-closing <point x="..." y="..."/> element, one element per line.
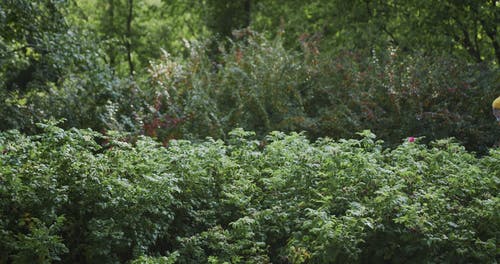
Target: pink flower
<point x="411" y="139"/>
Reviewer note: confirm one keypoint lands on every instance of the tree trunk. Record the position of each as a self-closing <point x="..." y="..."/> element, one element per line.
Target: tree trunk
<point x="128" y="41"/>
<point x="111" y="15"/>
<point x="248" y="14"/>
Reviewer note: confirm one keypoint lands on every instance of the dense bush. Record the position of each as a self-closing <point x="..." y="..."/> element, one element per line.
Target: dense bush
<point x="52" y="69"/>
<point x="253" y="82"/>
<point x="79" y="196"/>
<point x="259" y="85"/>
<point x="398" y="95"/>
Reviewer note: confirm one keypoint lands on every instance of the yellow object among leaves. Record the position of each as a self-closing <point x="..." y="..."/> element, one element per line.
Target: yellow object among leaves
<point x="496" y="103"/>
<point x="496" y="108"/>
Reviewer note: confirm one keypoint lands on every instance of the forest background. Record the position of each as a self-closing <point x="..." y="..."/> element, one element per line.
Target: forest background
<point x="196" y="68"/>
<point x="162" y="131"/>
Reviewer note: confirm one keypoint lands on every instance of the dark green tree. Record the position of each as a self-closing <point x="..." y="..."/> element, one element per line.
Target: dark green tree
<point x="29" y="54"/>
<point x="50" y="68"/>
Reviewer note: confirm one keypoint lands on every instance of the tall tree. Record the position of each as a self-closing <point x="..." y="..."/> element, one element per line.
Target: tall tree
<point x="134" y="32"/>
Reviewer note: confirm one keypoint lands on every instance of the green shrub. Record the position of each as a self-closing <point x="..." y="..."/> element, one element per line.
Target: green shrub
<point x="252" y="85"/>
<point x="80" y="196"/>
<point x="52" y="69"/>
<point x="398" y="95"/>
<point x="110" y="205"/>
<point x="260" y="86"/>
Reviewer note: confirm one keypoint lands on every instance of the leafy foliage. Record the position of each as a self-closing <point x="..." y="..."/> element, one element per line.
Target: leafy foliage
<point x="325" y="67"/>
<point x="110" y="209"/>
<point x="51" y="69"/>
<point x="465" y="29"/>
<point x="77" y="195"/>
<point x="259" y="85"/>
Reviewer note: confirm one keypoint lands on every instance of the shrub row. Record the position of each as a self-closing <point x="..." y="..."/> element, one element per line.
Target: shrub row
<point x="260" y="86"/>
<point x="77" y="196"/>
